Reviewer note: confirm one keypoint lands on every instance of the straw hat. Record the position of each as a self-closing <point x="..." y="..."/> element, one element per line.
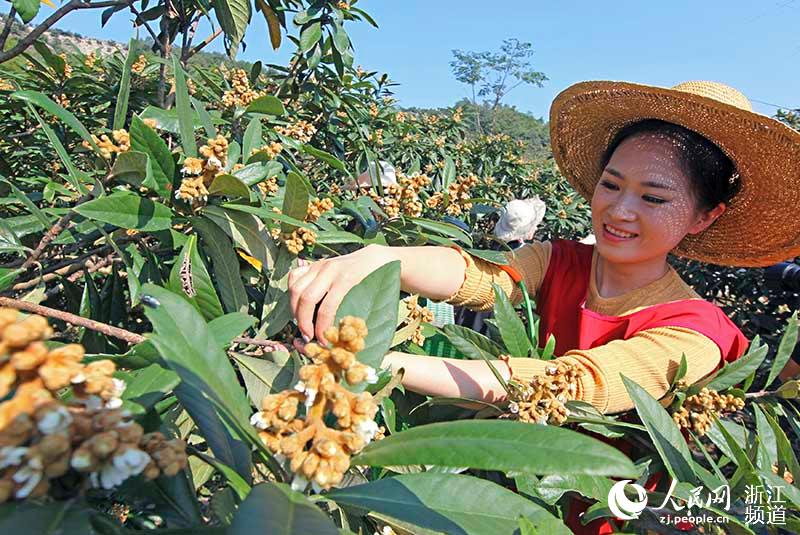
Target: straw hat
<point x="761" y="225"/>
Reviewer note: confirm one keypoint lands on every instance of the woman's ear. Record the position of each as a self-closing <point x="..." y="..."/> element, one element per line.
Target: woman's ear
<point x="705" y="218"/>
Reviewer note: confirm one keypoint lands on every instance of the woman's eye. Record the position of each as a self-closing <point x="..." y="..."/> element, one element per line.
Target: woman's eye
<point x="609" y="185"/>
<point x="655" y="200"/>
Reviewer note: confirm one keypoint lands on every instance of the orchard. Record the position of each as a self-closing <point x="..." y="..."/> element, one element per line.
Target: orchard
<point x="153" y="203"/>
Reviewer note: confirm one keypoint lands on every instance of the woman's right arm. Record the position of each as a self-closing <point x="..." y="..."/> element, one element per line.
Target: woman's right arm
<point x="433" y="272"/>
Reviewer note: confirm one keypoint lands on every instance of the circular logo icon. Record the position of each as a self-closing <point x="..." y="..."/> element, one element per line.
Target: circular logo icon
<point x="621" y="506"/>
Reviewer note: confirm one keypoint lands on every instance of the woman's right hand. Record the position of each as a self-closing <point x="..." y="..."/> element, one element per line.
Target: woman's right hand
<point x="326" y="282"/>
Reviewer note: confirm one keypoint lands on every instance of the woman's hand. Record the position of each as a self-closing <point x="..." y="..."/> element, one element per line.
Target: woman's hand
<point x="326" y="282"/>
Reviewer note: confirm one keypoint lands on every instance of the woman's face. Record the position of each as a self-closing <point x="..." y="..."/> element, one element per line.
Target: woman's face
<point x="642" y="206"/>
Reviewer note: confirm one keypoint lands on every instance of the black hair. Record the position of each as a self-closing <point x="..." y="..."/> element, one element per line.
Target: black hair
<point x="713" y="176"/>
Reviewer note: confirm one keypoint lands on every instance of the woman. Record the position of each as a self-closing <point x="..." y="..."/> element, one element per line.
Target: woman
<point x="689" y="170"/>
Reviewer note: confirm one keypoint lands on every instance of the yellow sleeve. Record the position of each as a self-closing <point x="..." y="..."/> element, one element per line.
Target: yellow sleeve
<point x="650" y="358"/>
<point x="476" y="292"/>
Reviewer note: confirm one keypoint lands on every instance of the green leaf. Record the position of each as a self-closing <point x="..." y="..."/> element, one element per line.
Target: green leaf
<point x="27" y="9"/>
<point x="268" y="105"/>
<point x="54" y="518"/>
<point x="239" y="485"/>
<point x="550" y="488"/>
<point x="254" y="173"/>
<point x="190" y="279"/>
<point x="786" y="455"/>
<point x="663" y="431"/>
<point x="329" y="237"/>
<point x="74" y="175"/>
<point x="472" y="344"/>
<point x="738" y="370"/>
<point x="295" y="200"/>
<point x="310" y="36"/>
<point x="448" y="503"/>
<point x="121" y="105"/>
<point x="277" y="510"/>
<point x="246" y="231"/>
<point x="209" y="389"/>
<point x="448" y="173"/>
<point x="224" y="264"/>
<point x="225" y="328"/>
<point x="67" y="117"/>
<point x="445" y="229"/>
<point x="229" y="186"/>
<point x="162" y="166"/>
<point x="184" y="108"/>
<point x="253" y="138"/>
<point x="233" y="17"/>
<point x="374" y="299"/>
<point x="167" y="120"/>
<point x="147" y="386"/>
<point x="326" y="157"/>
<point x="499" y="445"/>
<point x="127" y="211"/>
<point x="494" y="257"/>
<point x="274" y="372"/>
<point x="8" y="276"/>
<point x="788" y="341"/>
<point x="132" y="167"/>
<point x="511" y="328"/>
<point x="205" y="118"/>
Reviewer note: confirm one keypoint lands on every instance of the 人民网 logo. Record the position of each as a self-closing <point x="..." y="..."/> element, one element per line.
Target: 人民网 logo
<point x="622" y="507"/>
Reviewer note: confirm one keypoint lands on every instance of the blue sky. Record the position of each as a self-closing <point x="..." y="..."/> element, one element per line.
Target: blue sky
<point x="752" y="46"/>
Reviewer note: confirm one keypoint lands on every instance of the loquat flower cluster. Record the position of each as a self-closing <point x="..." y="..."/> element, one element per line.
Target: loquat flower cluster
<point x="543" y="400"/>
<point x="200" y="172"/>
<point x="315" y="451"/>
<point x="121" y="143"/>
<point x="269" y="186"/>
<point x="67" y="66"/>
<point x="417" y="314"/>
<point x="42" y="438"/>
<point x="459" y="192"/>
<point x="403" y="196"/>
<point x="240" y="94"/>
<point x="90" y="60"/>
<point x="699" y="411"/>
<point x="139" y="65"/>
<point x="271" y="150"/>
<point x="316" y="207"/>
<point x="300" y="130"/>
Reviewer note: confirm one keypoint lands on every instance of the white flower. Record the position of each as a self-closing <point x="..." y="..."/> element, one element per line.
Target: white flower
<point x="213" y="163"/>
<point x="315" y="487"/>
<point x="300" y="386"/>
<point x="258" y="420"/>
<point x="122" y="466"/>
<point x="366" y="429"/>
<point x="372" y="375"/>
<point x="55" y="421"/>
<point x="513" y="407"/>
<point x="11" y="456"/>
<point x="90" y="402"/>
<point x="299" y="483"/>
<point x="78" y="378"/>
<point x="29" y="476"/>
<point x="311" y="395"/>
<point x="119" y="387"/>
<point x="542" y="420"/>
<point x="114" y="403"/>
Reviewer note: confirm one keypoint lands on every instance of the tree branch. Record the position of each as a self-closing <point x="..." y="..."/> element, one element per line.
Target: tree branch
<point x="110" y="330"/>
<point x="7" y="29"/>
<point x="141" y="22"/>
<point x="205" y="43"/>
<point x="69" y="7"/>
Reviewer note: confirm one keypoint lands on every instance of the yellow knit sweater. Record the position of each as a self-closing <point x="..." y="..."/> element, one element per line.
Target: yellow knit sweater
<point x="650" y="357"/>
